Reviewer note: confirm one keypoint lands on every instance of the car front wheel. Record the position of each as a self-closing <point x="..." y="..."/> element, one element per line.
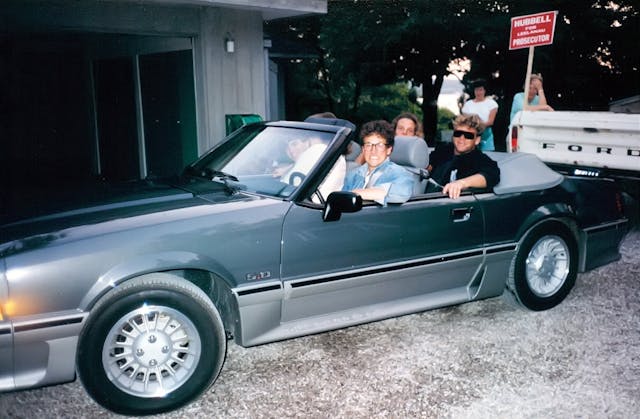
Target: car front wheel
<point x="151" y="345"/>
<point x="545" y="267"/>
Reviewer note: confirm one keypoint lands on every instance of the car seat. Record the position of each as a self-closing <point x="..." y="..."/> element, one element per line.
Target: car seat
<point x="412" y="153"/>
<point x="354" y="151"/>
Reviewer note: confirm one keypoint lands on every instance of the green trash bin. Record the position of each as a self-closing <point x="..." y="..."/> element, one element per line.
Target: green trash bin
<point x="235" y="121"/>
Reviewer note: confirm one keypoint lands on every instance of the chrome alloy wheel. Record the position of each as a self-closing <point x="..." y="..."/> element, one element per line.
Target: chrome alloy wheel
<point x="547" y="265"/>
<point x="151" y="351"/>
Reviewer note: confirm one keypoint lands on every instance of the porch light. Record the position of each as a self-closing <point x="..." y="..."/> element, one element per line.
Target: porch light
<point x="229" y="43"/>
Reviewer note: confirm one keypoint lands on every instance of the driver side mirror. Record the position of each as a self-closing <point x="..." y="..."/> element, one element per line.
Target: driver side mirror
<point x="339" y="202"/>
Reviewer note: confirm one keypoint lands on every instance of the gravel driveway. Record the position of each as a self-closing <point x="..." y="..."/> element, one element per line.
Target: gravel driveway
<point x="484" y="359"/>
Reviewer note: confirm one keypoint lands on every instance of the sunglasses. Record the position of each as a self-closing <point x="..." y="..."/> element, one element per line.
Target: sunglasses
<point x="466" y="134"/>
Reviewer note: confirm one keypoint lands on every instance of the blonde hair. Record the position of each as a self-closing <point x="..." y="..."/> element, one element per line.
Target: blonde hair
<point x="472" y="121"/>
<point x="536" y="76"/>
<point x="532" y="77"/>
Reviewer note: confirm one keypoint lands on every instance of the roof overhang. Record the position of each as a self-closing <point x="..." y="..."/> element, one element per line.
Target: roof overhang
<point x="270" y="9"/>
<point x="103" y="15"/>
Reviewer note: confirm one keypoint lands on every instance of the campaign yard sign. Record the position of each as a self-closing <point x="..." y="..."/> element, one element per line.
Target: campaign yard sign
<point x="532" y="30"/>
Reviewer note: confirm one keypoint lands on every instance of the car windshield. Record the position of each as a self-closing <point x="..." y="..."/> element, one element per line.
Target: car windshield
<point x="268" y="160"/>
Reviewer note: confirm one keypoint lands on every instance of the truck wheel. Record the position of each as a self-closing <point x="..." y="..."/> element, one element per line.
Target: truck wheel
<point x="151" y="345"/>
<point x="545" y="267"/>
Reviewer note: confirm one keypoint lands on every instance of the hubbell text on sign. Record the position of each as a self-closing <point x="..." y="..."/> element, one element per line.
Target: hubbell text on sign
<point x="532" y="30"/>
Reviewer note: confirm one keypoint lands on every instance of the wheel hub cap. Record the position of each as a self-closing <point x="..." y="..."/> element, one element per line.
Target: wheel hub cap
<point x="547" y="266"/>
<point x="151" y="351"/>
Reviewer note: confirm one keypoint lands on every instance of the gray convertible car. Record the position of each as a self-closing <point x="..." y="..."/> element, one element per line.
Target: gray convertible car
<point x="138" y="288"/>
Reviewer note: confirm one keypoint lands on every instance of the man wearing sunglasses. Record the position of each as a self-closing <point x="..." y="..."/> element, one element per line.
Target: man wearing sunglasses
<point x="379" y="179"/>
<point x="460" y="165"/>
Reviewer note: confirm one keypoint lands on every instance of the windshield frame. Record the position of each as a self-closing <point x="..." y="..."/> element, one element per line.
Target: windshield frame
<point x="222" y="155"/>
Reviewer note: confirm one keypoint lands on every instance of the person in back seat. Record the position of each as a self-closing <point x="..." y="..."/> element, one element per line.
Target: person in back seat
<point x="407" y="125"/>
<point x="379" y="179"/>
<point x="460" y="165"/>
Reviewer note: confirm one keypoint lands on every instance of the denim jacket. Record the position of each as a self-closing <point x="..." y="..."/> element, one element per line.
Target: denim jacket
<point x="395" y="179"/>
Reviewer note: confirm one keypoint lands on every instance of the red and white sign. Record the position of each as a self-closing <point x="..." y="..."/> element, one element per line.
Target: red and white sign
<point x="532" y="30"/>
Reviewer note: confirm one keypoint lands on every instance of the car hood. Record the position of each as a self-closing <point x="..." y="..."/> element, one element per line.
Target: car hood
<point x="36" y="212"/>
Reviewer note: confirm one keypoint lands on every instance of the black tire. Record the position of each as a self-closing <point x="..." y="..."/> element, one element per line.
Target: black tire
<point x="544" y="270"/>
<point x="150" y="346"/>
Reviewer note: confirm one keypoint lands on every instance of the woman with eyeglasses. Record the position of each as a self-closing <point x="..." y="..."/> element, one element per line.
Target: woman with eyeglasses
<point x="379" y="179"/>
<point x="461" y="165"/>
<point x="404" y="125"/>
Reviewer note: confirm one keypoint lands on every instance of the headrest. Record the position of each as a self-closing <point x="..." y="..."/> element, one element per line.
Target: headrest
<point x="354" y="151"/>
<point x="410" y="151"/>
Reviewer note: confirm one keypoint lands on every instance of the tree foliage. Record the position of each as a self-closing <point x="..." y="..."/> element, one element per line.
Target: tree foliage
<point x="362" y="44"/>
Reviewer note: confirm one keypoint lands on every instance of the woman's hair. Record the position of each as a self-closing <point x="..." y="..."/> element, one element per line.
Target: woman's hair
<point x="472" y="121"/>
<point x="411" y="116"/>
<point x="479" y="83"/>
<point x="380" y="127"/>
<point x="536" y="76"/>
<point x="323" y="115"/>
<point x="532" y="77"/>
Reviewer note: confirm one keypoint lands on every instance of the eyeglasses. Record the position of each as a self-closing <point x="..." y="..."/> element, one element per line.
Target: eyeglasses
<point x="376" y="146"/>
<point x="466" y="134"/>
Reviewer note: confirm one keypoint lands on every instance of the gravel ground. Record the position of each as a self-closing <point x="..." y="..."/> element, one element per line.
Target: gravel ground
<point x="485" y="359"/>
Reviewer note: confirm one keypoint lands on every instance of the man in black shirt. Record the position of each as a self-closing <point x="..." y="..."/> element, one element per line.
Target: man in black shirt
<point x="460" y="164"/>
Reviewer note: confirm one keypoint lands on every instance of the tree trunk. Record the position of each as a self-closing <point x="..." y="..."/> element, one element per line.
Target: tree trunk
<point x="325" y="83"/>
<point x="356" y="97"/>
<point x="430" y="92"/>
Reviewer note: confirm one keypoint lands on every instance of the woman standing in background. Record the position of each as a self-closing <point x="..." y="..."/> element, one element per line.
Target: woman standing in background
<point x="536" y="100"/>
<point x="486" y="108"/>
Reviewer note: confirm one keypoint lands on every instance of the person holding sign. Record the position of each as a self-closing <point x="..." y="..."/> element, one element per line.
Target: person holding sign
<point x="536" y="100"/>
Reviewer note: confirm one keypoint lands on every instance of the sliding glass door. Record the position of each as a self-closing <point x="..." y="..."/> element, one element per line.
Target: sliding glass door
<point x="145" y="115"/>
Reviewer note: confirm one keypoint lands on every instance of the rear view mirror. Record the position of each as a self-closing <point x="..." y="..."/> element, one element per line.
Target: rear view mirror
<point x="339" y="202"/>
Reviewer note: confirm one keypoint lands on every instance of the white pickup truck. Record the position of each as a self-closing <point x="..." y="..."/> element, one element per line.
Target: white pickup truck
<point x="599" y="144"/>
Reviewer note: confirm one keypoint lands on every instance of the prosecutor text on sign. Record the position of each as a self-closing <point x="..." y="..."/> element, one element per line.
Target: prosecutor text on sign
<point x="532" y="30"/>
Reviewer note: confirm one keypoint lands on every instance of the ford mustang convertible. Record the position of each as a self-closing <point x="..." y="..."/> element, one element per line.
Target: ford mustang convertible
<point x="138" y="288"/>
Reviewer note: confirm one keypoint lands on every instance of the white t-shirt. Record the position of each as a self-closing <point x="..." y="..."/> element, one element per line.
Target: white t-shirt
<point x="482" y="109"/>
<point x="305" y="163"/>
<point x="334" y="180"/>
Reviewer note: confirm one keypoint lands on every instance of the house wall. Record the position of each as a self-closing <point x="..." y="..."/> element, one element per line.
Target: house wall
<point x="49" y="120"/>
<point x="228" y="83"/>
<point x="225" y="83"/>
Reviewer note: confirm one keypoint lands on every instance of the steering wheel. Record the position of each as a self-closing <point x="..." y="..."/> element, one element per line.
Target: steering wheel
<point x="296" y="178"/>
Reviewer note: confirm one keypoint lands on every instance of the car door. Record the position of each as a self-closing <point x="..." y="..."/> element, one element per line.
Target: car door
<point x="380" y="261"/>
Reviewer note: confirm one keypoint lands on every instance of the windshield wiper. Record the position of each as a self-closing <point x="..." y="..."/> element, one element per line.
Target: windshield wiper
<point x="221" y="175"/>
<point x="224" y="177"/>
<point x="211" y="174"/>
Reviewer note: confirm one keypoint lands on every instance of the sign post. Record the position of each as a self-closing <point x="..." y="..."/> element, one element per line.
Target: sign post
<point x="531" y="31"/>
